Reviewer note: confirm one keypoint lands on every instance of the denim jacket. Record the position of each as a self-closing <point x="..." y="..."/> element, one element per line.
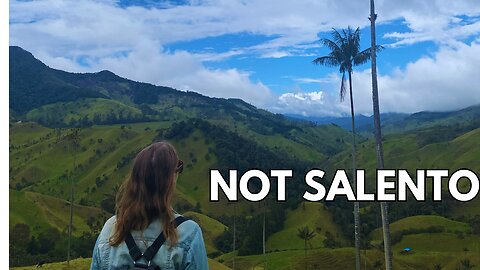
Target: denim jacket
<point x="188" y="253"/>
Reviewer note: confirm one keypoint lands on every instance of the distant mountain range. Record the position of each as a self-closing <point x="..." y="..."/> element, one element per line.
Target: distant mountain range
<point x="117" y="97"/>
<point x="401" y="122"/>
<point x="362" y="122"/>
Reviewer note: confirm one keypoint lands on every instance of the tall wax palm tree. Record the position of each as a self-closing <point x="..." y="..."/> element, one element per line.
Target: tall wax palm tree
<point x="73" y="137"/>
<point x="345" y="53"/>
<point x="465" y="265"/>
<point x="263" y="235"/>
<point x="306" y="235"/>
<point x="378" y="137"/>
<point x="235" y="215"/>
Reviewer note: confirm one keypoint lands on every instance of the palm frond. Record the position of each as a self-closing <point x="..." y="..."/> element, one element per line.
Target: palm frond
<point x="355" y="41"/>
<point x="362" y="57"/>
<point x="344" y="53"/>
<point x="305" y="233"/>
<point x="379" y="48"/>
<point x="343" y="88"/>
<point x="334" y="47"/>
<point x="338" y="38"/>
<point x="365" y="55"/>
<point x="328" y="61"/>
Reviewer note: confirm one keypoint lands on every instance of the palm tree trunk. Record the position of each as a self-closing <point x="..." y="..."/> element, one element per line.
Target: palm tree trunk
<point x="263" y="235"/>
<point x="378" y="138"/>
<point x="305" y="242"/>
<point x="305" y="257"/>
<point x="70" y="224"/>
<point x="234" y="234"/>
<point x="356" y="205"/>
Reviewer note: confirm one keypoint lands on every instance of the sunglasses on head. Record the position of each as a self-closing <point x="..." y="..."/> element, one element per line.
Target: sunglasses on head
<point x="179" y="166"/>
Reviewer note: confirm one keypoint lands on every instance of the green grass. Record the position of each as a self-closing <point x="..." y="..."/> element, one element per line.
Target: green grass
<point x="439" y="242"/>
<point x="64" y="112"/>
<point x="211" y="229"/>
<point x="423" y="222"/>
<point x="344" y="258"/>
<point x="76" y="264"/>
<point x="402" y="151"/>
<point x="84" y="263"/>
<point x="44" y="165"/>
<point x="427" y="260"/>
<point x="24" y="133"/>
<point x="275" y="260"/>
<point x="41" y="212"/>
<point x="325" y="259"/>
<point x="313" y="215"/>
<point x="41" y="165"/>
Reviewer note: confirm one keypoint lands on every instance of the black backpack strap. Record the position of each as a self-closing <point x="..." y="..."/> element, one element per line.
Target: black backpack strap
<point x="135" y="252"/>
<point x="133" y="249"/>
<point x="153" y="249"/>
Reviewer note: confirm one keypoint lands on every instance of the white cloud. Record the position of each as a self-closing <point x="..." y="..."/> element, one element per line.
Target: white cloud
<point x="88" y="26"/>
<point x="331" y="78"/>
<point x="440" y="35"/>
<point x="443" y="81"/>
<point x="131" y="41"/>
<point x="316" y="103"/>
<point x="181" y="70"/>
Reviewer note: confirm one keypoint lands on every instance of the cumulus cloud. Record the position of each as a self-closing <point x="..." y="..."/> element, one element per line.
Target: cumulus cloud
<point x="316" y="103"/>
<point x="446" y="80"/>
<point x="441" y="21"/>
<point x="443" y="81"/>
<point x="181" y="70"/>
<point x="331" y="78"/>
<point x="294" y="24"/>
<point x="130" y="41"/>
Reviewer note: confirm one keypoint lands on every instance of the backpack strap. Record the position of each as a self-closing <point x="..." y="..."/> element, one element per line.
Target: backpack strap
<point x="135" y="252"/>
<point x="153" y="249"/>
<point x="133" y="249"/>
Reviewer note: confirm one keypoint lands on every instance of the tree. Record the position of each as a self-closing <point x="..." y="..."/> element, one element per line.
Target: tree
<point x="465" y="265"/>
<point x="378" y="136"/>
<point x="73" y="137"/>
<point x="109" y="199"/>
<point x="19" y="241"/>
<point x="306" y="235"/>
<point x="345" y="53"/>
<point x="329" y="241"/>
<point x="20" y="235"/>
<point x="377" y="265"/>
<point x="263" y="236"/>
<point x="47" y="240"/>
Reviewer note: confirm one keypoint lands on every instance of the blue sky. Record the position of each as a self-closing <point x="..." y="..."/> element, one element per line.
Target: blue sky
<point x="261" y="51"/>
<point x="285" y="73"/>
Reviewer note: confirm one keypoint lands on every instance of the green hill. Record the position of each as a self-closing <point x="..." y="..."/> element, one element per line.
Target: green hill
<point x="58" y="99"/>
<point x="42" y="212"/>
<point x="83" y="111"/>
<point x="407" y="151"/>
<point x="422" y="223"/>
<point x="314" y="215"/>
<point x="444" y="242"/>
<point x="211" y="229"/>
<point x="464" y="118"/>
<point x="343" y="258"/>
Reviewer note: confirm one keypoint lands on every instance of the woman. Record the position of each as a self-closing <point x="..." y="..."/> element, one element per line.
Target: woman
<point x="144" y="211"/>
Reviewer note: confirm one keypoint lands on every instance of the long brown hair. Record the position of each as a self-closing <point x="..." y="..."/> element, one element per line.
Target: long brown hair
<point x="147" y="194"/>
